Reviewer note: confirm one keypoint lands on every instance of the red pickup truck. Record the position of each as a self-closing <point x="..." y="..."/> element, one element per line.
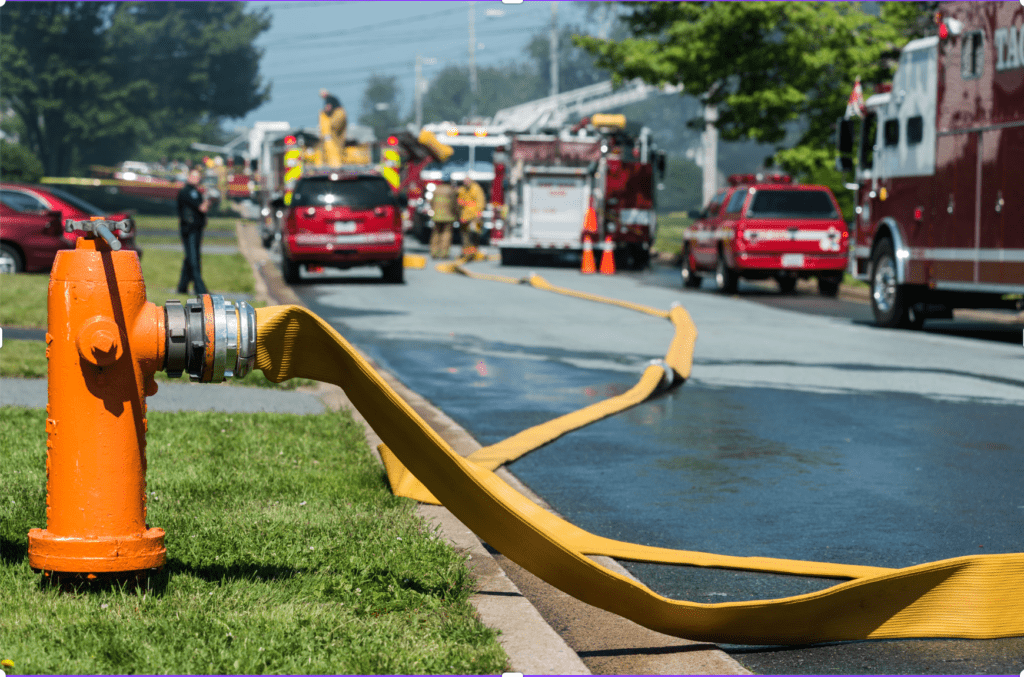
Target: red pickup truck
<point x="760" y="228"/>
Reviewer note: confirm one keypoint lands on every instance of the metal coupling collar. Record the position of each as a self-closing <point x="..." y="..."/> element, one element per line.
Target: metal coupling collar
<point x="210" y="338"/>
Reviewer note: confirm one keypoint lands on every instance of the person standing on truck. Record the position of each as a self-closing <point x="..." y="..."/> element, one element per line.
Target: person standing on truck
<point x="333" y="123"/>
<point x="442" y="206"/>
<point x="471" y="208"/>
<point x="192" y="207"/>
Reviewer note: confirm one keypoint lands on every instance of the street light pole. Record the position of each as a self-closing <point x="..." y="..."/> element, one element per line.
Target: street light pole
<point x="554" y="48"/>
<point x="419" y="92"/>
<point x="472" y="59"/>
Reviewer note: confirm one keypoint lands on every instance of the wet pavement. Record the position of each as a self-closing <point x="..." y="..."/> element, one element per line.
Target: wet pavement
<point x="890" y="449"/>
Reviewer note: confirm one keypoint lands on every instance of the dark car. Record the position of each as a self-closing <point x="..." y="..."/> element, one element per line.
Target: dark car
<point x="41" y="199"/>
<point x="29" y="241"/>
<point x="342" y="219"/>
<point x="766" y="227"/>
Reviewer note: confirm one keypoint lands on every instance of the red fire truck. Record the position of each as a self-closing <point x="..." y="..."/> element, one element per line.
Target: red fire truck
<point x="940" y="213"/>
<point x="554" y="179"/>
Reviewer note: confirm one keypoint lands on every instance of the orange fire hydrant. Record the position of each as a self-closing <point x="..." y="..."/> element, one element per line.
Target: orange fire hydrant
<point x="105" y="342"/>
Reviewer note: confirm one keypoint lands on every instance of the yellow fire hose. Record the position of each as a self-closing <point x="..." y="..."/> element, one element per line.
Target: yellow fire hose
<point x="977" y="596"/>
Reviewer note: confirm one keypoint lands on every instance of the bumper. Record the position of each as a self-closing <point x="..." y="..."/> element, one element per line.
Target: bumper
<point x="798" y="262"/>
<point x="344" y="253"/>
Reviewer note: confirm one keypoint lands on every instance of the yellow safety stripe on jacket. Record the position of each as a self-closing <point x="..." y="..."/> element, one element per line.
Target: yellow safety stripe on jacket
<point x="977" y="596"/>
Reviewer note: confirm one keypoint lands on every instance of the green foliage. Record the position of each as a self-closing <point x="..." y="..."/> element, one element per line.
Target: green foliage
<point x="17" y="163"/>
<point x="448" y="97"/>
<point x="380" y="108"/>
<point x="575" y="65"/>
<point x="93" y="82"/>
<point x="765" y="65"/>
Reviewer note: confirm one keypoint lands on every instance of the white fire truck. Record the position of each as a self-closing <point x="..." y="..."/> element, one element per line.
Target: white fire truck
<point x="474" y="148"/>
<point x="940" y="164"/>
<point x="554" y="179"/>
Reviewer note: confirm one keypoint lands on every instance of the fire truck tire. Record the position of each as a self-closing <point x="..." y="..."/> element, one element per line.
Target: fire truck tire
<point x="689" y="274"/>
<point x="787" y="283"/>
<point x="829" y="285"/>
<point x="289" y="268"/>
<point x="725" y="277"/>
<point x="394" y="271"/>
<point x="891" y="302"/>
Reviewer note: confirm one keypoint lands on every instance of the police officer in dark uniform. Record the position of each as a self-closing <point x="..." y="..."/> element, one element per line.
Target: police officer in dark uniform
<point x="192" y="208"/>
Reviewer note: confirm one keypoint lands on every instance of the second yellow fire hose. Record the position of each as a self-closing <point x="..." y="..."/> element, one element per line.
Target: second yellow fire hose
<point x="976" y="596"/>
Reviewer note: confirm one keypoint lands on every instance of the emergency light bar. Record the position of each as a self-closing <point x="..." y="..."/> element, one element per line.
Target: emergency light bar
<point x="740" y="179"/>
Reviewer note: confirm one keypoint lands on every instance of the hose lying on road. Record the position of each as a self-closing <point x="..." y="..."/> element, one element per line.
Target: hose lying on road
<point x="976" y="596"/>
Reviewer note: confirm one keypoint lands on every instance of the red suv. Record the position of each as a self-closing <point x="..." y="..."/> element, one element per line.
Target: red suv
<point x="759" y="229"/>
<point x="342" y="218"/>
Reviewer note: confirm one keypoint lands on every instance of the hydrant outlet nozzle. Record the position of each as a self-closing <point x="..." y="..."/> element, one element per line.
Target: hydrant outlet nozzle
<point x="103" y="228"/>
<point x="210" y="338"/>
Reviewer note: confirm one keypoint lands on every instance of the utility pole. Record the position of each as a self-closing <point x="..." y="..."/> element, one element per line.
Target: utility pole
<point x="710" y="151"/>
<point x="419" y="92"/>
<point x="554" y="48"/>
<point x="472" y="60"/>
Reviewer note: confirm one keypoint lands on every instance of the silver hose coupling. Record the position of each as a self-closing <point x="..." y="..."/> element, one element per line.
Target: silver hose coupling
<point x="210" y="338"/>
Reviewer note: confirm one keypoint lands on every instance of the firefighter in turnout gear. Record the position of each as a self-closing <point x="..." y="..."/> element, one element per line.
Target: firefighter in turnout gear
<point x="442" y="204"/>
<point x="471" y="206"/>
<point x="333" y="123"/>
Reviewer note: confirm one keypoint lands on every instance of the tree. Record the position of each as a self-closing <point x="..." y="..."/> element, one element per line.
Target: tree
<point x="380" y="108"/>
<point x="575" y="65"/>
<point x="17" y="163"/>
<point x="448" y="96"/>
<point x="765" y="65"/>
<point x="94" y="82"/>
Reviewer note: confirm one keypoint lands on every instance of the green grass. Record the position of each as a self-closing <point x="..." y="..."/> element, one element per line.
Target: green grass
<point x="23" y="359"/>
<point x="669" y="239"/>
<point x="286" y="555"/>
<point x="27" y="359"/>
<point x="214" y="223"/>
<point x="23" y="296"/>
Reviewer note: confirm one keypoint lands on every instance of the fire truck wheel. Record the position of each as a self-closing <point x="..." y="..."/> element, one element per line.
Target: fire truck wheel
<point x="394" y="272"/>
<point x="289" y="268"/>
<point x="829" y="285"/>
<point x="787" y="283"/>
<point x="689" y="274"/>
<point x="725" y="277"/>
<point x="890" y="301"/>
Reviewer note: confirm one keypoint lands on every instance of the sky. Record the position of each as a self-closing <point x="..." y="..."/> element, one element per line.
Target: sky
<point x="339" y="44"/>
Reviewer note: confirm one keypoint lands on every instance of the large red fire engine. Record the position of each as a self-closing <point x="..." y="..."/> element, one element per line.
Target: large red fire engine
<point x="940" y="213"/>
<point x="554" y="179"/>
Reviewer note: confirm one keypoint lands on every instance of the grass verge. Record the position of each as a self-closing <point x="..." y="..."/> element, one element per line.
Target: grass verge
<point x="669" y="238"/>
<point x="214" y="223"/>
<point x="286" y="555"/>
<point x="23" y="296"/>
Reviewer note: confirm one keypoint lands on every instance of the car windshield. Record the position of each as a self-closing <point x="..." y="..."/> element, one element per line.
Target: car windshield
<point x="362" y="192"/>
<point x="87" y="207"/>
<point x="459" y="156"/>
<point x="792" y="204"/>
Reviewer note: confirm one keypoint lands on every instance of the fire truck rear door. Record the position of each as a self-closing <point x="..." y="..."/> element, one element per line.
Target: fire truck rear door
<point x="555" y="207"/>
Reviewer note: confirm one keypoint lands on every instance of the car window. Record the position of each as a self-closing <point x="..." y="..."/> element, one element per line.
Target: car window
<point x="363" y="192"/>
<point x="712" y="208"/>
<point x="792" y="204"/>
<point x="87" y="207"/>
<point x="22" y="202"/>
<point x="736" y="202"/>
<point x="460" y="155"/>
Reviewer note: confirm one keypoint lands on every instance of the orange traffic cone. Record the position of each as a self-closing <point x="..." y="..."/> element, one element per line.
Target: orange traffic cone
<point x="590" y="222"/>
<point x="589" y="265"/>
<point x="608" y="257"/>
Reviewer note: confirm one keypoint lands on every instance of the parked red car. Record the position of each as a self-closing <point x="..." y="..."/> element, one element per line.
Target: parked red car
<point x="32" y="199"/>
<point x="29" y="241"/>
<point x="760" y="228"/>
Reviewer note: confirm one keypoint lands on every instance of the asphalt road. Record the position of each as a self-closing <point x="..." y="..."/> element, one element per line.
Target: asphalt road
<point x="804" y="432"/>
